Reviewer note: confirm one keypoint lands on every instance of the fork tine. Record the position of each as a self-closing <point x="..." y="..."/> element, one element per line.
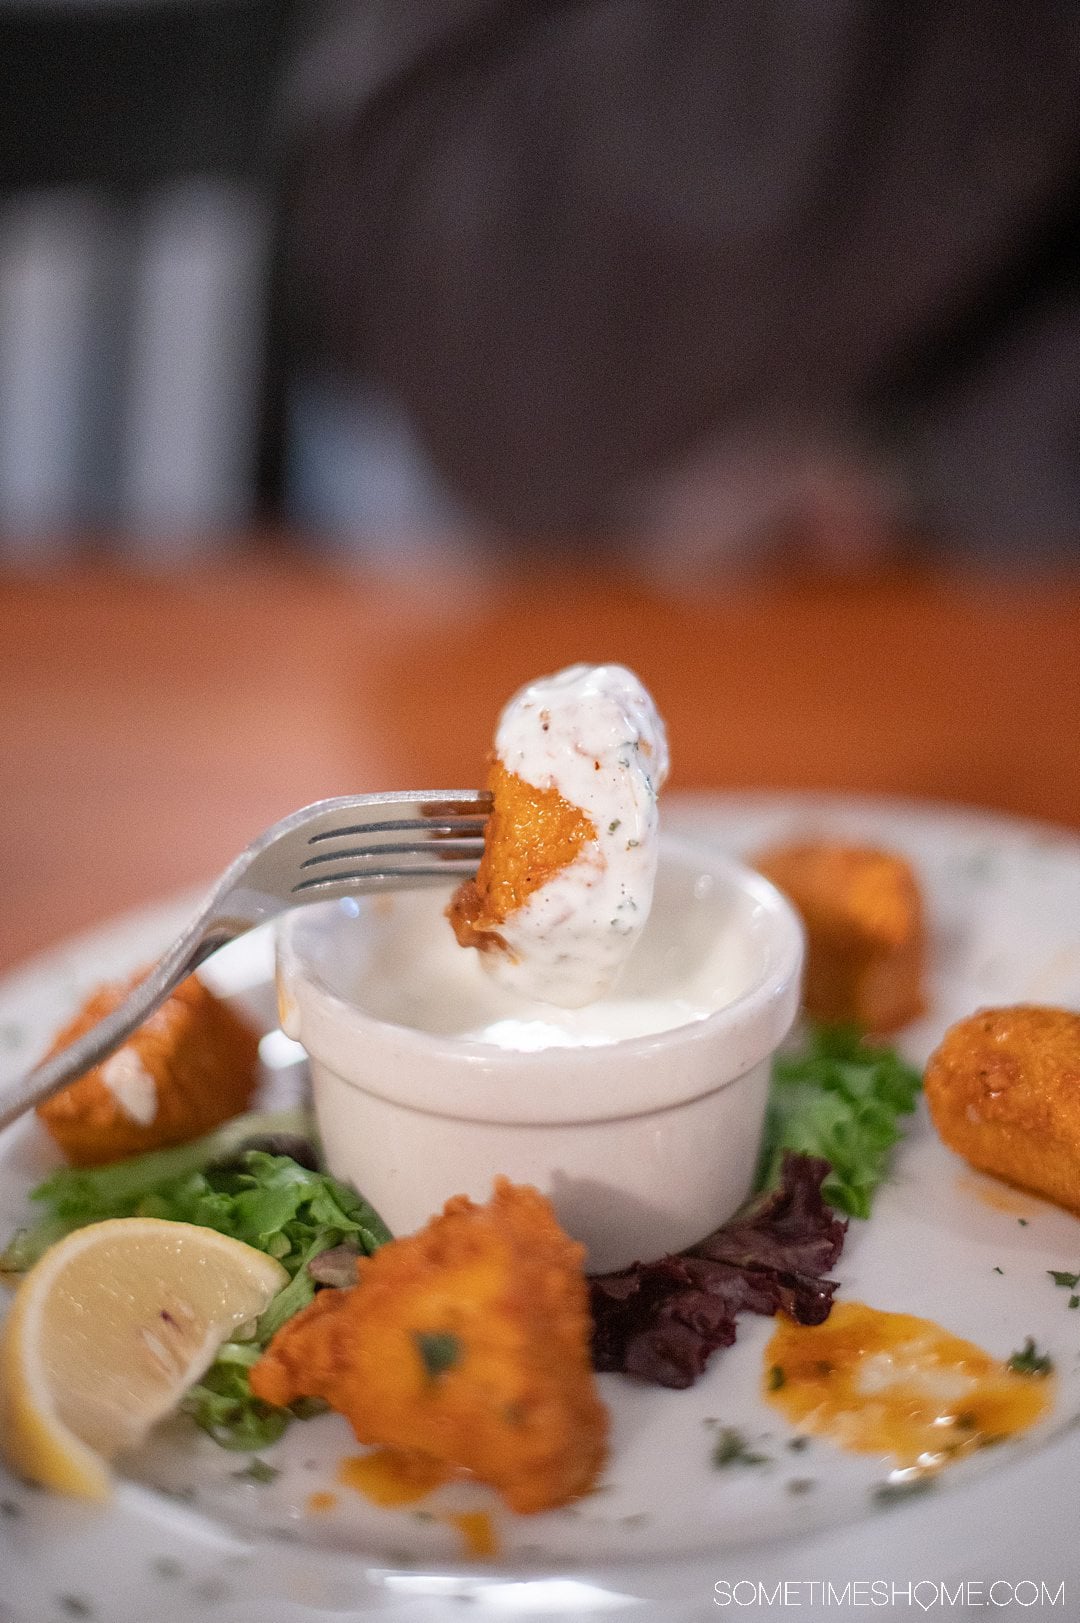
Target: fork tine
<point x="387" y="878"/>
<point x="431" y="827"/>
<point x="428" y="850"/>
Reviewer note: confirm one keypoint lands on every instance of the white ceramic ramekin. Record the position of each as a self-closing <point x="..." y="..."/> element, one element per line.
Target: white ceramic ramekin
<point x="643" y="1144"/>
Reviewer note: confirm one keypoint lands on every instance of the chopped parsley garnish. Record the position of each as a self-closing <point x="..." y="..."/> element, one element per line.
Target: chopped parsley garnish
<point x="257" y="1471"/>
<point x="166" y="1566"/>
<point x="1023" y="1222"/>
<point x="1066" y="1281"/>
<point x="1030" y="1361"/>
<point x="841" y="1098"/>
<point x="891" y="1493"/>
<point x="439" y="1350"/>
<point x="776" y="1378"/>
<point x="731" y="1448"/>
<point x="998" y="1270"/>
<point x="1074" y="1301"/>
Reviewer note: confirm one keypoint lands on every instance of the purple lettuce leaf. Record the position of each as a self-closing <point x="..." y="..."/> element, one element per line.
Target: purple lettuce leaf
<point x="661" y="1320"/>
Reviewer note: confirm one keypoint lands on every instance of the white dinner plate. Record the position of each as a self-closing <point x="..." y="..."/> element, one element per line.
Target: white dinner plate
<point x="669" y="1536"/>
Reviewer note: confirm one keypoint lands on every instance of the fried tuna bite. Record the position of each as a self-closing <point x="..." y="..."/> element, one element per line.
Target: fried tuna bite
<point x="1004" y="1092"/>
<point x="531" y="834"/>
<point x="191" y="1066"/>
<point x="468" y="1343"/>
<point x="571" y="848"/>
<point x="865" y="934"/>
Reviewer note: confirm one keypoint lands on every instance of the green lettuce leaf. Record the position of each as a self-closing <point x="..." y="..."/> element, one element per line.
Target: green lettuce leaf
<point x="269" y="1201"/>
<point x="839" y="1097"/>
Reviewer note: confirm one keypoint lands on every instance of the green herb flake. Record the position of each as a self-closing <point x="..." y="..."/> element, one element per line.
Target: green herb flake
<point x="615" y="823"/>
<point x="1023" y="1222"/>
<point x="776" y="1378"/>
<point x="439" y="1350"/>
<point x="731" y="1448"/>
<point x="839" y="1097"/>
<point x="257" y="1471"/>
<point x="1074" y="1301"/>
<point x="998" y="1270"/>
<point x="891" y="1493"/>
<point x="798" y="1445"/>
<point x="1030" y="1361"/>
<point x="1065" y="1281"/>
<point x="166" y="1567"/>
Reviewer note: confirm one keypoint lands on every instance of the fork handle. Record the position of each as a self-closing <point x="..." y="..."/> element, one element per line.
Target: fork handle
<point x="103" y="1039"/>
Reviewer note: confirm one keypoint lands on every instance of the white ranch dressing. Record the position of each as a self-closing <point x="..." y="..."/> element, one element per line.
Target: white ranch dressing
<point x="592" y="733"/>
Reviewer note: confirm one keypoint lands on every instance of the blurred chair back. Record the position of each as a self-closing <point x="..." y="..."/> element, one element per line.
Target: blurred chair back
<point x="135" y="234"/>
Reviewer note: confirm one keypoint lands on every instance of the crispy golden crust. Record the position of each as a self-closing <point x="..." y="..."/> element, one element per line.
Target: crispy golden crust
<point x="531" y="834"/>
<point x="1004" y="1091"/>
<point x="865" y="935"/>
<point x="202" y="1060"/>
<point x="467" y="1342"/>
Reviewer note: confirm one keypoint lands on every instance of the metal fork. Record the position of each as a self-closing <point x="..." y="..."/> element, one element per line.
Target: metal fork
<point x="344" y="847"/>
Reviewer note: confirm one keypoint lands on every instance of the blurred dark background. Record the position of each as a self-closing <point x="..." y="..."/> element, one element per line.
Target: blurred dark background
<point x="419" y="280"/>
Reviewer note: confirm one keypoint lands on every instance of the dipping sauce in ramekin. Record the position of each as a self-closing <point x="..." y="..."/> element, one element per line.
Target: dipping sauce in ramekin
<point x="639" y="1115"/>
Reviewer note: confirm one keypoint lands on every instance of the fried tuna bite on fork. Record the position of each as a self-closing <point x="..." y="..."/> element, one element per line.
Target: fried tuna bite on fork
<point x="468" y="1343"/>
<point x="191" y="1066"/>
<point x="865" y="935"/>
<point x="571" y="848"/>
<point x="1003" y="1088"/>
<point x="532" y="834"/>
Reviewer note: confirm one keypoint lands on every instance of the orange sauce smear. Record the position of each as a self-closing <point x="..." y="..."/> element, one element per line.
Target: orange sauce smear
<point x="321" y="1501"/>
<point x="893" y="1384"/>
<point x="389" y="1476"/>
<point x="477" y="1533"/>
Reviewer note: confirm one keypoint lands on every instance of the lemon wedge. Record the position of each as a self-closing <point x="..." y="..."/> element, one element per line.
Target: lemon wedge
<point x="108" y="1331"/>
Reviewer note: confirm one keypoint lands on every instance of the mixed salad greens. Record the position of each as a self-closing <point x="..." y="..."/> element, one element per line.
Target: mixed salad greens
<point x="838" y="1097"/>
<point x="835" y="1098"/>
<point x="255" y="1179"/>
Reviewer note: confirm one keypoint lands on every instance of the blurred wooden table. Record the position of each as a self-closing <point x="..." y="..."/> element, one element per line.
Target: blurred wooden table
<point x="150" y="727"/>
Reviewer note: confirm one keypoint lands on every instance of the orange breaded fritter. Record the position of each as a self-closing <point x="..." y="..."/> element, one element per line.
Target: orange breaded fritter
<point x="531" y="834"/>
<point x="468" y="1343"/>
<point x="865" y="935"/>
<point x="1003" y="1088"/>
<point x="191" y="1066"/>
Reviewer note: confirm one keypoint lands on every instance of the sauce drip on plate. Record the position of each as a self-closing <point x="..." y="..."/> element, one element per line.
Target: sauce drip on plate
<point x="388" y="1476"/>
<point x="893" y="1384"/>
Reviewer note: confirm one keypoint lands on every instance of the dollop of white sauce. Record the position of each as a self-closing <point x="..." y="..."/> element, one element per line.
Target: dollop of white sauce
<point x="700" y="950"/>
<point x="593" y="733"/>
<point x="131" y="1085"/>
